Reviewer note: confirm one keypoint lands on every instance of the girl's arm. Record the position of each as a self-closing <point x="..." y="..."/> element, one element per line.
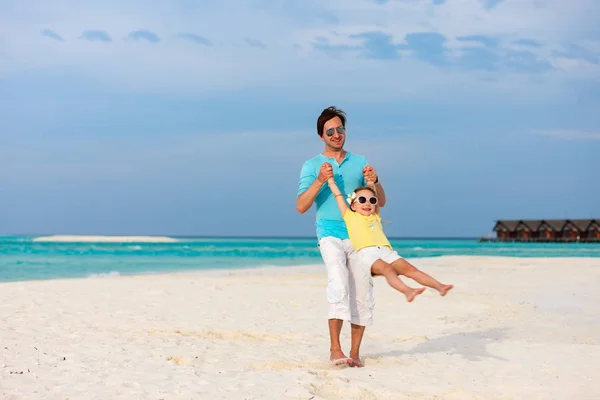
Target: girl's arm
<point x="339" y="197"/>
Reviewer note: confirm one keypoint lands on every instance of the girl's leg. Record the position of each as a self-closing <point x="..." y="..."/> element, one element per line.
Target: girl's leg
<point x="382" y="268"/>
<point x="403" y="267"/>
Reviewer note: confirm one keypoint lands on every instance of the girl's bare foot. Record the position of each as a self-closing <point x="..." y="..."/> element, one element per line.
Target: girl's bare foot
<point x="444" y="289"/>
<point x="412" y="293"/>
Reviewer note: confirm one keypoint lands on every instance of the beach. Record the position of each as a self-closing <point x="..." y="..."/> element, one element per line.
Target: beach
<point x="512" y="328"/>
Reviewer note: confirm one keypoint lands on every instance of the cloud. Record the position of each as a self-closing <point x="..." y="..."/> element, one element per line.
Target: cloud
<point x="476" y="53"/>
<point x="569" y="134"/>
<point x="377" y="46"/>
<point x="526" y="61"/>
<point x="428" y="47"/>
<point x="255" y="43"/>
<point x="329" y="18"/>
<point x="489" y="4"/>
<point x="586" y="72"/>
<point x="333" y="50"/>
<point x="484" y="40"/>
<point x="582" y="62"/>
<point x="95" y="35"/>
<point x="520" y="61"/>
<point x="397" y="41"/>
<point x="575" y="52"/>
<point x="478" y="58"/>
<point x="144" y="35"/>
<point x="52" y="35"/>
<point x="367" y="45"/>
<point x="195" y="38"/>
<point x="528" y="43"/>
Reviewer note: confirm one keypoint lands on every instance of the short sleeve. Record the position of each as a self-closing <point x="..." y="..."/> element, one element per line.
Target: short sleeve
<point x="307" y="177"/>
<point x="348" y="215"/>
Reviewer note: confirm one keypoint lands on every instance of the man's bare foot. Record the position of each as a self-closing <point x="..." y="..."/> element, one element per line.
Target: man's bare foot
<point x="444" y="289"/>
<point x="356" y="361"/>
<point x="339" y="358"/>
<point x="410" y="295"/>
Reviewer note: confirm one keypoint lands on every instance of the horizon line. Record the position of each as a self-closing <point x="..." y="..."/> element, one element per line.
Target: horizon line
<point x="244" y="237"/>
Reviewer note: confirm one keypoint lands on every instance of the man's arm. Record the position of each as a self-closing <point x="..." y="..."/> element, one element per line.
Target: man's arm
<point x="374" y="187"/>
<point x="380" y="194"/>
<point x="371" y="176"/>
<point x="307" y="196"/>
<point x="306" y="199"/>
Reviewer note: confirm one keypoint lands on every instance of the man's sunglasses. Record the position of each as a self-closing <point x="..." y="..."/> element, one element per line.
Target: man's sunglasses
<point x="340" y="129"/>
<point x="363" y="200"/>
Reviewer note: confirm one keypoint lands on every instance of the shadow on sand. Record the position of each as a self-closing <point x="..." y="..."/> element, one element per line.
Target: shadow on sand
<point x="470" y="345"/>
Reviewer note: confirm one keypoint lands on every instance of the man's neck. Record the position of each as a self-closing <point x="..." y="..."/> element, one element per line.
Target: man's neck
<point x="338" y="155"/>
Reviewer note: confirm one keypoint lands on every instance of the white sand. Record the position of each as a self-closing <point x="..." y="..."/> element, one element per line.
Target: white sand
<point x="511" y="329"/>
<point x="108" y="239"/>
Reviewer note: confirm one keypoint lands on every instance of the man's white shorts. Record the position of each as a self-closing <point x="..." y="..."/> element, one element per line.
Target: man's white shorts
<point x="369" y="255"/>
<point x="349" y="282"/>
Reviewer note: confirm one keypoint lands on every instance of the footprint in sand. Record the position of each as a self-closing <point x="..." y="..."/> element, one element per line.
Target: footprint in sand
<point x="176" y="360"/>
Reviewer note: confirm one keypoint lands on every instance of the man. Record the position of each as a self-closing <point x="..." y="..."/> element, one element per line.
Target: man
<point x="349" y="299"/>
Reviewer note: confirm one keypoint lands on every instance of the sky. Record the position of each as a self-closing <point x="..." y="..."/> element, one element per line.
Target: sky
<point x="186" y="117"/>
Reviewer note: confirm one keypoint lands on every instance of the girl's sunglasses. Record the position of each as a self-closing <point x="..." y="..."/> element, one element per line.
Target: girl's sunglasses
<point x="363" y="200"/>
<point x="341" y="130"/>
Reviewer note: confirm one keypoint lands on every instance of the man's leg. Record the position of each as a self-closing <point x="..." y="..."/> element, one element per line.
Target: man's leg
<point x="334" y="256"/>
<point x="336" y="356"/>
<point x="357" y="335"/>
<point x="362" y="302"/>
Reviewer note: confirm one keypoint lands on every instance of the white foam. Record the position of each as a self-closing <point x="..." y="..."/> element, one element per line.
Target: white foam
<point x="107" y="239"/>
<point x="106" y="275"/>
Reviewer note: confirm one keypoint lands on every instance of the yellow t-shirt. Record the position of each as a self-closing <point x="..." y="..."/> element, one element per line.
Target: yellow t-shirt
<point x="365" y="231"/>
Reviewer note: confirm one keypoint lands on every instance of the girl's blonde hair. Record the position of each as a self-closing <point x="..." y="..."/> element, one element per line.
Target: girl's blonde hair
<point x="369" y="188"/>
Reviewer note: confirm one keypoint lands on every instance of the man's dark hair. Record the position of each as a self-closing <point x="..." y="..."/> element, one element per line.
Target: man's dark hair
<point x="326" y="115"/>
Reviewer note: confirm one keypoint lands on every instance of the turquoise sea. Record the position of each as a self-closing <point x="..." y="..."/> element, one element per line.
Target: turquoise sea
<point x="23" y="259"/>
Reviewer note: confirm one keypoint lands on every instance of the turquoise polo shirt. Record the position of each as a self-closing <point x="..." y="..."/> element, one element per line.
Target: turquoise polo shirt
<point x="348" y="176"/>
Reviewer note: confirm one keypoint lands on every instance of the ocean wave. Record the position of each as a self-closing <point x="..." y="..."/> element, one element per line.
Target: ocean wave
<point x="21" y="258"/>
<point x="105" y="239"/>
<point x="105" y="275"/>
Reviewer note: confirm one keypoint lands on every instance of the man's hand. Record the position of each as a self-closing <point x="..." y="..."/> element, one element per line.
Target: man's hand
<point x="369" y="174"/>
<point x="325" y="173"/>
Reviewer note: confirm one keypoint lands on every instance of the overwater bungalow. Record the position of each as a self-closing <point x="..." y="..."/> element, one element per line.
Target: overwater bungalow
<point x="546" y="230"/>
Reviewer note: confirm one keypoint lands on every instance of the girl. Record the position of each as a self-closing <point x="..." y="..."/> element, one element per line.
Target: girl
<point x="370" y="243"/>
